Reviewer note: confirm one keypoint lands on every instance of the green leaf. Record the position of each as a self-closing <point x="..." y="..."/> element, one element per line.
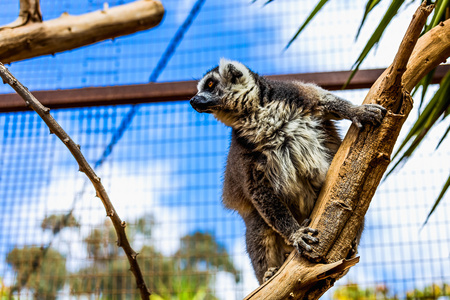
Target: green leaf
<point x="424" y="83"/>
<point x="439" y="12"/>
<point x="443" y="137"/>
<point x="437" y="107"/>
<point x="434" y="109"/>
<point x="369" y="6"/>
<point x="310" y="17"/>
<point x="439" y="198"/>
<point x="375" y="38"/>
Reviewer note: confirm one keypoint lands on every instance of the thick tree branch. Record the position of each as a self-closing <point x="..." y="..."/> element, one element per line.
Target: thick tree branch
<point x="119" y="225"/>
<point x="68" y="32"/>
<point x="360" y="164"/>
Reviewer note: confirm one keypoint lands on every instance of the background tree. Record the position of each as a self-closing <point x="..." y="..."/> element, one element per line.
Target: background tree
<point x="44" y="281"/>
<point x="354" y="292"/>
<point x="189" y="272"/>
<point x="41" y="269"/>
<point x="57" y="222"/>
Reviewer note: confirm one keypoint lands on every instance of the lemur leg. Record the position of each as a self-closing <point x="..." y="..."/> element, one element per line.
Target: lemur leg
<point x="277" y="215"/>
<point x="265" y="247"/>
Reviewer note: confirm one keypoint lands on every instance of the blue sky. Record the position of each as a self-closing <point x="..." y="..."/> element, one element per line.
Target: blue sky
<point x="170" y="160"/>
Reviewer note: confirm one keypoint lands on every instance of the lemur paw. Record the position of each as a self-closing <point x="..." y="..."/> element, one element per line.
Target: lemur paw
<point x="269" y="273"/>
<point x="368" y="113"/>
<point x="301" y="239"/>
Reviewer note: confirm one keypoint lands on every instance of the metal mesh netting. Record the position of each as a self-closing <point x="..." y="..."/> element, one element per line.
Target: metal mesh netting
<point x="163" y="170"/>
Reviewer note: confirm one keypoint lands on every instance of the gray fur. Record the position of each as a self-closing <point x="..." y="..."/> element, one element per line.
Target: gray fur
<point x="283" y="140"/>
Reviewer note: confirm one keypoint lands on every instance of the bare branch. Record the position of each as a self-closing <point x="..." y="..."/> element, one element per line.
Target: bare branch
<point x="68" y="32"/>
<point x="119" y="225"/>
<point x="359" y="165"/>
<point x="30" y="11"/>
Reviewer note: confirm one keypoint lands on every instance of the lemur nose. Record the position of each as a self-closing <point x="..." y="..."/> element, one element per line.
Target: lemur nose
<point x="199" y="103"/>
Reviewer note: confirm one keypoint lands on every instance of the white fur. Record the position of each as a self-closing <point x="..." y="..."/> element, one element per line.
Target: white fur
<point x="242" y="95"/>
<point x="245" y="81"/>
<point x="297" y="161"/>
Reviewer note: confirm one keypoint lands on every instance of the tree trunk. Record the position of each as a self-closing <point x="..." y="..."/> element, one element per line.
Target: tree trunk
<point x="357" y="169"/>
<point x="21" y="40"/>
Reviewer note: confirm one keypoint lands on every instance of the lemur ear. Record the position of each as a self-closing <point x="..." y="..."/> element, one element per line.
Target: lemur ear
<point x="231" y="71"/>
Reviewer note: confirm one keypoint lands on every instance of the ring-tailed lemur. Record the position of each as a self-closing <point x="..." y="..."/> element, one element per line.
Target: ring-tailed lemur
<point x="283" y="140"/>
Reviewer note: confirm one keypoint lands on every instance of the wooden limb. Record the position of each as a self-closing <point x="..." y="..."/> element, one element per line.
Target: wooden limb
<point x="306" y="274"/>
<point x="55" y="128"/>
<point x="68" y="32"/>
<point x="360" y="163"/>
<point x="30" y="11"/>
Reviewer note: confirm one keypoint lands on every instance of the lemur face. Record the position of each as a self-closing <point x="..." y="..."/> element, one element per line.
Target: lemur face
<point x="228" y="90"/>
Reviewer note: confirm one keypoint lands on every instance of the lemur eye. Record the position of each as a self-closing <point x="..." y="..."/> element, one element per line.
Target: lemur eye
<point x="210" y="83"/>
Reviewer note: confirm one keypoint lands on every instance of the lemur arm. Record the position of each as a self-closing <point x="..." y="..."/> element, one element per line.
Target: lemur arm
<point x="277" y="215"/>
<point x="358" y="114"/>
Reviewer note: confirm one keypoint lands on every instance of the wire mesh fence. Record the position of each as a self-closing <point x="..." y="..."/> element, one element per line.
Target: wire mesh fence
<point x="162" y="165"/>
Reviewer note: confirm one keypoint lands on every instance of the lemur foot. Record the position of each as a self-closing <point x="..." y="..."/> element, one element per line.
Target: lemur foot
<point x="368" y="113"/>
<point x="301" y="239"/>
<point x="269" y="273"/>
<point x="354" y="250"/>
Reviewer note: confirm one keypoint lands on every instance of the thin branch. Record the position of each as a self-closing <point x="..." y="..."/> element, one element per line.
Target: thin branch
<point x="119" y="225"/>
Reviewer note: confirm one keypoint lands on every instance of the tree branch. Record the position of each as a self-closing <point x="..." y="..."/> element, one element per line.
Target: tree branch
<point x="119" y="225"/>
<point x="68" y="32"/>
<point x="359" y="165"/>
<point x="30" y="11"/>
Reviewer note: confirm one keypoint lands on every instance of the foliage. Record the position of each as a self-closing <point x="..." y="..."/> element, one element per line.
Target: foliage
<point x="5" y="291"/>
<point x="57" y="222"/>
<point x="353" y="291"/>
<point x="436" y="110"/>
<point x="186" y="275"/>
<point x="201" y="248"/>
<point x="41" y="269"/>
<point x="430" y="292"/>
<point x="42" y="272"/>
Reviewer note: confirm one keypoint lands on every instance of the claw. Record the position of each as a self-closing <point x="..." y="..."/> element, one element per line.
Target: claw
<point x="269" y="273"/>
<point x="301" y="239"/>
<point x="368" y="113"/>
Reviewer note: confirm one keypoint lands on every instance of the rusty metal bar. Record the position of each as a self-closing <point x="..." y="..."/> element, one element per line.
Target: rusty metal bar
<point x="179" y="90"/>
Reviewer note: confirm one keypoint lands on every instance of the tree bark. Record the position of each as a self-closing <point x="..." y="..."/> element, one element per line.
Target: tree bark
<point x="31" y="39"/>
<point x="358" y="167"/>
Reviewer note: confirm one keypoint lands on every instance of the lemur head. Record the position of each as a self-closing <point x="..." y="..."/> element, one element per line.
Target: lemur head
<point x="227" y="92"/>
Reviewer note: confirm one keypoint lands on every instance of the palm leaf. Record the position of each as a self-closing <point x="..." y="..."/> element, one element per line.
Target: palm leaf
<point x="424" y="83"/>
<point x="437" y="107"/>
<point x="310" y="17"/>
<point x="369" y="6"/>
<point x="439" y="198"/>
<point x="438" y="15"/>
<point x="375" y="38"/>
<point x="443" y="137"/>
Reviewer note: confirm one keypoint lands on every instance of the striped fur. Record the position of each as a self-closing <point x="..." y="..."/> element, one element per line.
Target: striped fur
<point x="283" y="141"/>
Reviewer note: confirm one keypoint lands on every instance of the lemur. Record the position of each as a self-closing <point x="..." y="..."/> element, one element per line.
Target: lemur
<point x="282" y="142"/>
